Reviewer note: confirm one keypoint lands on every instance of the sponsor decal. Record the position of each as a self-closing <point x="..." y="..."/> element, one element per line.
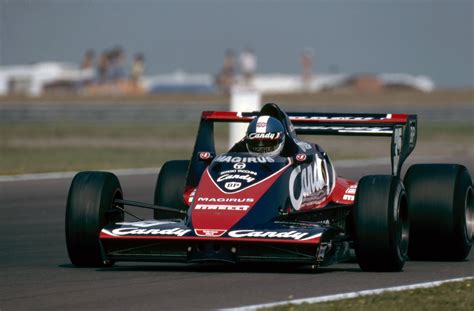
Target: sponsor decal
<point x="350" y="193"/>
<point x="191" y="195"/>
<point x="291" y="127"/>
<point x="397" y="148"/>
<point x="209" y="232"/>
<point x="204" y="155"/>
<point x="238" y="171"/>
<point x="247" y="172"/>
<point x="227" y="172"/>
<point x="239" y="166"/>
<point x="312" y="179"/>
<point x="294" y="235"/>
<point x="231" y="159"/>
<point x="300" y="157"/>
<point x="412" y="135"/>
<point x="351" y="190"/>
<point x="337" y="118"/>
<point x="344" y="129"/>
<point x="232" y="185"/>
<point x="146" y="223"/>
<point x="262" y="123"/>
<point x="216" y="207"/>
<point x="269" y="136"/>
<point x="245" y="177"/>
<point x="143" y="231"/>
<point x="225" y="200"/>
<point x="303" y="145"/>
<point x="348" y="197"/>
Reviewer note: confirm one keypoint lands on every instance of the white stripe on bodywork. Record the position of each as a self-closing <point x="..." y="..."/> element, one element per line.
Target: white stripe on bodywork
<point x="262" y="120"/>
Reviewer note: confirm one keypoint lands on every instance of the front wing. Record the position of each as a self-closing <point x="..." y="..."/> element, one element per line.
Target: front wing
<point x="174" y="241"/>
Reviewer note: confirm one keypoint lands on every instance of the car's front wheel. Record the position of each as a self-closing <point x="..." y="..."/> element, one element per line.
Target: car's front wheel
<point x="90" y="207"/>
<point x="169" y="188"/>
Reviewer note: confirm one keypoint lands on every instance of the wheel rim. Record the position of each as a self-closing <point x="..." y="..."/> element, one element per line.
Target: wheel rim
<point x="401" y="218"/>
<point x="469" y="212"/>
<point x="113" y="214"/>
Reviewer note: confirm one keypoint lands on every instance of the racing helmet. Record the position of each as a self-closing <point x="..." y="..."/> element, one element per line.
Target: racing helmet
<point x="265" y="136"/>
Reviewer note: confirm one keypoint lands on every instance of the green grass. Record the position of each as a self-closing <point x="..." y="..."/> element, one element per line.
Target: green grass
<point x="439" y="130"/>
<point x="23" y="160"/>
<point x="457" y="296"/>
<point x="112" y="130"/>
<point x="46" y="147"/>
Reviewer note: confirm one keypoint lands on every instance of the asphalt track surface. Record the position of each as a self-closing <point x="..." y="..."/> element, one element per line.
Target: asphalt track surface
<point x="35" y="272"/>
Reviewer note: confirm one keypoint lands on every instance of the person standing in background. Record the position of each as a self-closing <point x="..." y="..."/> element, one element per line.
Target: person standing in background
<point x="248" y="66"/>
<point x="87" y="68"/>
<point x="307" y="64"/>
<point x="226" y="76"/>
<point x="103" y="67"/>
<point x="138" y="69"/>
<point x="116" y="65"/>
<point x="88" y="60"/>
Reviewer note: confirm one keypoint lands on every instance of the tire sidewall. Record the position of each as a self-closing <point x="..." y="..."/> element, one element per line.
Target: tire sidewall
<point x="437" y="207"/>
<point x="90" y="197"/>
<point x="378" y="223"/>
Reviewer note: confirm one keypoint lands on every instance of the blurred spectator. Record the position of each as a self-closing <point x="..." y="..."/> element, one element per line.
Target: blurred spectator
<point x="111" y="76"/>
<point x="102" y="67"/>
<point x="88" y="60"/>
<point x="307" y="67"/>
<point x="138" y="69"/>
<point x="248" y="65"/>
<point x="116" y="65"/>
<point x="87" y="68"/>
<point x="226" y="76"/>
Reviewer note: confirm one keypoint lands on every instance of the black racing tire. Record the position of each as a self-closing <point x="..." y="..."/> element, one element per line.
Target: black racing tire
<point x="441" y="209"/>
<point x="90" y="207"/>
<point x="169" y="188"/>
<point x="380" y="219"/>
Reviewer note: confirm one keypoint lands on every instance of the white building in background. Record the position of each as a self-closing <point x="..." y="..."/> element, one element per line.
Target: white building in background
<point x="284" y="83"/>
<point x="31" y="80"/>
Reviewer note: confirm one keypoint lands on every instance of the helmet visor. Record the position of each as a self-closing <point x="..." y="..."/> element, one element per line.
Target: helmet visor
<point x="264" y="143"/>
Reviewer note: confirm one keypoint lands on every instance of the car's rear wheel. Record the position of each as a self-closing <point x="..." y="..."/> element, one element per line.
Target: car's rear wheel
<point x="380" y="223"/>
<point x="169" y="188"/>
<point x="441" y="209"/>
<point x="90" y="207"/>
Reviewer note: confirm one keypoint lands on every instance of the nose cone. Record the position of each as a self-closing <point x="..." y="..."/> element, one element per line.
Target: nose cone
<point x="215" y="211"/>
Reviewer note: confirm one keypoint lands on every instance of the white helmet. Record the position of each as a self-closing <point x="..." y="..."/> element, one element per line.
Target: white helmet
<point x="265" y="136"/>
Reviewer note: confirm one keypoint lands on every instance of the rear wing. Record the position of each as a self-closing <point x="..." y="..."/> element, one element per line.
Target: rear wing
<point x="359" y="124"/>
<point x="402" y="128"/>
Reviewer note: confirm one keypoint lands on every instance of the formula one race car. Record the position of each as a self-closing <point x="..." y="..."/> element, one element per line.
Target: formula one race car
<point x="289" y="207"/>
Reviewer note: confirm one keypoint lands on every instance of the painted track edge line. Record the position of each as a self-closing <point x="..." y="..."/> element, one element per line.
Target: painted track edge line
<point x="349" y="295"/>
<point x="139" y="171"/>
<point x="70" y="174"/>
<point x="150" y="170"/>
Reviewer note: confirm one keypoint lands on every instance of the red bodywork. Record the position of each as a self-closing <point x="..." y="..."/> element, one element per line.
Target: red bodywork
<point x="210" y="219"/>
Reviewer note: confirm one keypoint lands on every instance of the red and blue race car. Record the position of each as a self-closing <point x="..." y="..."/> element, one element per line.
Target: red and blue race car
<point x="288" y="208"/>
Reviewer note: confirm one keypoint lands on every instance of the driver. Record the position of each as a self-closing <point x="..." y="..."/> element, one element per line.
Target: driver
<point x="265" y="136"/>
